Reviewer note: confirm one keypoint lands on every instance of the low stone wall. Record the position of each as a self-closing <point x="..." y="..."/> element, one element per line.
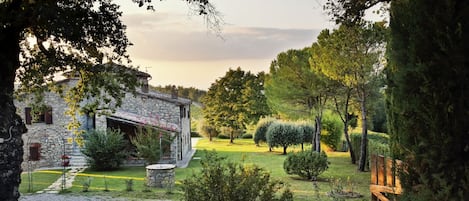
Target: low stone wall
<point x="160" y="175"/>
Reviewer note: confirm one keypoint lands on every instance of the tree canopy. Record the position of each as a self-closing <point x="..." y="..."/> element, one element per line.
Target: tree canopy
<point x="426" y="96"/>
<point x="41" y="39"/>
<point x="351" y="55"/>
<point x="235" y="100"/>
<point x="295" y="90"/>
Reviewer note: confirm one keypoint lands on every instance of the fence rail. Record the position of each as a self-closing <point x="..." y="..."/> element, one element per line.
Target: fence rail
<point x="384" y="178"/>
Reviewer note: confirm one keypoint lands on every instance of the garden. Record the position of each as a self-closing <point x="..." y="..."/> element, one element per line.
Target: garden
<point x="129" y="181"/>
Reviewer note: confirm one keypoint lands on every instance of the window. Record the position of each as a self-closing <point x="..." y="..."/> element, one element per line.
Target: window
<point x="35" y="151"/>
<point x="45" y="116"/>
<point x="182" y="111"/>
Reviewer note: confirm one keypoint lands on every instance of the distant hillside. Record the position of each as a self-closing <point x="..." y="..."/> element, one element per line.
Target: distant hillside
<point x="189" y="93"/>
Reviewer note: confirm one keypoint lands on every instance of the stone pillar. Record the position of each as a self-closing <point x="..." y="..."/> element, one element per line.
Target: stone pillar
<point x="160" y="175"/>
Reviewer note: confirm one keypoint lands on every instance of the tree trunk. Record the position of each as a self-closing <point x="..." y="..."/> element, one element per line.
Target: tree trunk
<point x="285" y="150"/>
<point x="349" y="143"/>
<point x="317" y="135"/>
<point x="11" y="125"/>
<point x="231" y="137"/>
<point x="345" y="119"/>
<point x="364" y="142"/>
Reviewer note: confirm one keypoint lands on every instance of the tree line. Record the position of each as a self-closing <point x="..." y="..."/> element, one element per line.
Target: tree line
<point x="342" y="71"/>
<point x="190" y="93"/>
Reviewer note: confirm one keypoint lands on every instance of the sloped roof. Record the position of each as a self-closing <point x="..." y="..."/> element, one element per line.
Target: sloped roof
<point x="112" y="67"/>
<point x="143" y="120"/>
<point x="166" y="97"/>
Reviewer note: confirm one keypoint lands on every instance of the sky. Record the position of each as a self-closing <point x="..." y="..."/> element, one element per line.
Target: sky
<point x="177" y="48"/>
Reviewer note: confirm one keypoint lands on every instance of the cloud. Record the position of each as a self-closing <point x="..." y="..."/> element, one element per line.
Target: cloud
<point x="173" y="38"/>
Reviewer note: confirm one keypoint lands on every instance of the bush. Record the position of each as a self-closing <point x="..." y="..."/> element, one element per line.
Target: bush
<point x="261" y="130"/>
<point x="220" y="180"/>
<point x="246" y="136"/>
<point x="307" y="164"/>
<point x="105" y="150"/>
<point x="284" y="135"/>
<point x="378" y="143"/>
<point x="195" y="134"/>
<point x="147" y="142"/>
<point x="331" y="132"/>
<point x="223" y="136"/>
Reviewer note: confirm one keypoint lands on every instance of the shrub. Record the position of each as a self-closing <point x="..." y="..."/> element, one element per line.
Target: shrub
<point x="331" y="133"/>
<point x="307" y="164"/>
<point x="247" y="136"/>
<point x="284" y="135"/>
<point x="147" y="142"/>
<point x="220" y="180"/>
<point x="378" y="143"/>
<point x="223" y="136"/>
<point x="261" y="130"/>
<point x="105" y="150"/>
<point x="195" y="134"/>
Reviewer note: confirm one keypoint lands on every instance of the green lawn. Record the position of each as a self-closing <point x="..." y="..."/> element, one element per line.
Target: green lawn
<point x="38" y="180"/>
<point x="243" y="150"/>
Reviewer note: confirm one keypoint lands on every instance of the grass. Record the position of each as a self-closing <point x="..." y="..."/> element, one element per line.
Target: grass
<point x="243" y="150"/>
<point x="38" y="181"/>
<point x="340" y="167"/>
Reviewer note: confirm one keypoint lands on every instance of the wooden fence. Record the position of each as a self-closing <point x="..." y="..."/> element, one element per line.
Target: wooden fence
<point x="385" y="183"/>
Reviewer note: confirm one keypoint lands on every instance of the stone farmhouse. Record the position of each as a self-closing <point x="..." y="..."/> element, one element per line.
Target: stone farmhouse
<point x="48" y="138"/>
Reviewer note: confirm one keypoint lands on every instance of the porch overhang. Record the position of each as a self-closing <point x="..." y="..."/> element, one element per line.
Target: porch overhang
<point x="136" y="119"/>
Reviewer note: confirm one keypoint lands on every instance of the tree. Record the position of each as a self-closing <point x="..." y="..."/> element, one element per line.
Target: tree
<point x="253" y="98"/>
<point x="428" y="77"/>
<point x="190" y="93"/>
<point x="351" y="56"/>
<point x="283" y="135"/>
<point x="149" y="143"/>
<point x="260" y="135"/>
<point x="41" y="39"/>
<point x="235" y="100"/>
<point x="295" y="91"/>
<point x="427" y="102"/>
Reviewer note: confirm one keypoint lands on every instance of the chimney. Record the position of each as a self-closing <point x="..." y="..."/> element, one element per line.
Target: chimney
<point x="174" y="92"/>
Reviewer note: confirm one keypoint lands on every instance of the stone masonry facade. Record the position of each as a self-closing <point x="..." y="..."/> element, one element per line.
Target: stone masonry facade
<point x="52" y="139"/>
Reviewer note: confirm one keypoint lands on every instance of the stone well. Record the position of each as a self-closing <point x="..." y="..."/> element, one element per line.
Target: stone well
<point x="160" y="175"/>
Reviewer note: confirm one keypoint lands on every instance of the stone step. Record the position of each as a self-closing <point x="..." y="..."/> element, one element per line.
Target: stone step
<point x="78" y="161"/>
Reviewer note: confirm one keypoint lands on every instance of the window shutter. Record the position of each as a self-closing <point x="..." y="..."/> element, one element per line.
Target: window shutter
<point x="181" y="112"/>
<point x="48" y="115"/>
<point x="27" y="115"/>
<point x="34" y="151"/>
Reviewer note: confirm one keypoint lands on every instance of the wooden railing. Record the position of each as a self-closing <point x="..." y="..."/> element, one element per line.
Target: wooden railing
<point x="384" y="178"/>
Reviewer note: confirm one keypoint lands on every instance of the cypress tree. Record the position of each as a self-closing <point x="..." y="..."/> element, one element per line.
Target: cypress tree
<point x="428" y="96"/>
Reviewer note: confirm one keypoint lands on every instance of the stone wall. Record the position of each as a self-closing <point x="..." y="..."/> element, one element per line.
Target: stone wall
<point x="53" y="138"/>
<point x="149" y="106"/>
